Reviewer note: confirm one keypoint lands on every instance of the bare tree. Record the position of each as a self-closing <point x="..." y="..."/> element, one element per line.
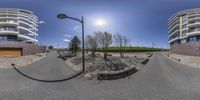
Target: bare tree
<point x="91" y="42"/>
<point x="121" y="41"/>
<point x="86" y="45"/>
<point x="105" y="40"/>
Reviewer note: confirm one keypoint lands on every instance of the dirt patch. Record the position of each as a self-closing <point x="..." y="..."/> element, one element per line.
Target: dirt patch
<point x="98" y="64"/>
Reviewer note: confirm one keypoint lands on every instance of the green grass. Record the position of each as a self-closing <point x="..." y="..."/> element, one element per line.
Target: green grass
<point x="130" y="49"/>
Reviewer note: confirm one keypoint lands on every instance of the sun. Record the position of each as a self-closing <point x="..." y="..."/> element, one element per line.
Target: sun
<point x="100" y="22"/>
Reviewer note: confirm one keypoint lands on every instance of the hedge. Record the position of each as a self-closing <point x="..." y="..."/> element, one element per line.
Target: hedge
<point x="130" y="49"/>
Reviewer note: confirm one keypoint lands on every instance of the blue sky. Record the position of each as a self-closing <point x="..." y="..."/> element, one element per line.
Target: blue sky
<point x="143" y="21"/>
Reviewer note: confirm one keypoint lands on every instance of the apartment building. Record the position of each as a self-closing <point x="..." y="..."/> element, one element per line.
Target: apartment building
<point x="184" y="32"/>
<point x="18" y="32"/>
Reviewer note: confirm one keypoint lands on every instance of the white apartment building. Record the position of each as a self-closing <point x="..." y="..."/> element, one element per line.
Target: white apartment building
<point x="184" y="32"/>
<point x="18" y="25"/>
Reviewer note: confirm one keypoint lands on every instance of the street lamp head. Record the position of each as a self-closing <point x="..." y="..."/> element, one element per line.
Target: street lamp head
<point x="61" y="16"/>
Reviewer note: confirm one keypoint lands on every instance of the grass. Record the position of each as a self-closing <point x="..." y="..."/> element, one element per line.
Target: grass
<point x="130" y="49"/>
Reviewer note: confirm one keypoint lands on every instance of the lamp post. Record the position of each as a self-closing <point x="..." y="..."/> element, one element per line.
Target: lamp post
<point x="63" y="16"/>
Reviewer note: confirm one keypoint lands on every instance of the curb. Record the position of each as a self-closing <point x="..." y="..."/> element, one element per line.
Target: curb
<point x="116" y="75"/>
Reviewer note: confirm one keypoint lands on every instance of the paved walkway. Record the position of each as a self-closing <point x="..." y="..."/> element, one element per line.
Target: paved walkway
<point x="160" y="79"/>
<point x="49" y="68"/>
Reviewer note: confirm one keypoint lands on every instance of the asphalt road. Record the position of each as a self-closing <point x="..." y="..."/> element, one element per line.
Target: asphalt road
<point x="160" y="79"/>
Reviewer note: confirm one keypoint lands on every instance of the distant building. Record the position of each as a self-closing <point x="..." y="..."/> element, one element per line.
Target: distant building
<point x="18" y="32"/>
<point x="184" y="32"/>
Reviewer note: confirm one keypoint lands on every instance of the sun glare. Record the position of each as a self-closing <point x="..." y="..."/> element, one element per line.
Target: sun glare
<point x="100" y="22"/>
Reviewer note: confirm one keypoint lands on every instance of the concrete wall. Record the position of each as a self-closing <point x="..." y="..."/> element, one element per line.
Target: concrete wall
<point x="27" y="48"/>
<point x="192" y="49"/>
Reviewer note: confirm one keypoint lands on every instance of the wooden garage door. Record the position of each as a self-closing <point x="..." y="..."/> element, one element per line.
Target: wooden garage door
<point x="10" y="52"/>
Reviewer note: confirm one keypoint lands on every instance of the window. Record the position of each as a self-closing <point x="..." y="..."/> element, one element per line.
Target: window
<point x="3" y="38"/>
<point x="8" y="38"/>
<point x="198" y="37"/>
<point x="194" y="38"/>
<point x="183" y="41"/>
<point x="184" y="26"/>
<point x="10" y="28"/>
<point x="175" y="42"/>
<point x="11" y="37"/>
<point x="184" y="32"/>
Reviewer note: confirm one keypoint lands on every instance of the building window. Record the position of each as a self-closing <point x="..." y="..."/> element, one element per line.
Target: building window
<point x="175" y="42"/>
<point x="194" y="38"/>
<point x="198" y="37"/>
<point x="184" y="32"/>
<point x="10" y="28"/>
<point x="11" y="37"/>
<point x="184" y="26"/>
<point x="183" y="41"/>
<point x="8" y="38"/>
<point x="3" y="38"/>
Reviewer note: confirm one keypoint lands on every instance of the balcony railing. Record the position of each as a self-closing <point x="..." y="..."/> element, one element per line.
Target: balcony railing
<point x="176" y="26"/>
<point x="193" y="23"/>
<point x="173" y="33"/>
<point x="28" y="37"/>
<point x="174" y="39"/>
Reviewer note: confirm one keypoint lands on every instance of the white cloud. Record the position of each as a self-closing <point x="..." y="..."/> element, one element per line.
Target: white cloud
<point x="76" y="28"/>
<point x="41" y="22"/>
<point x="67" y="35"/>
<point x="66" y="40"/>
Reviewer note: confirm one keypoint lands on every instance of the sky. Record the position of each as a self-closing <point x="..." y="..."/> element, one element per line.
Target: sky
<point x="143" y="22"/>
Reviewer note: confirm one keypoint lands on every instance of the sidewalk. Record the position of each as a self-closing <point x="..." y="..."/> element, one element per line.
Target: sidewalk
<point x="49" y="68"/>
<point x="188" y="60"/>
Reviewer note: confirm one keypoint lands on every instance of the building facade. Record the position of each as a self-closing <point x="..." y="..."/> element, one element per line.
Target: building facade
<point x="18" y="32"/>
<point x="184" y="32"/>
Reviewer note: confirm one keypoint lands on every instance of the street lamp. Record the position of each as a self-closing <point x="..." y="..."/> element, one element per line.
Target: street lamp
<point x="63" y="16"/>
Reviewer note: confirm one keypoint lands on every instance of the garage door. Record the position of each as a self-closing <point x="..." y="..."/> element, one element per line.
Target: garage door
<point x="10" y="52"/>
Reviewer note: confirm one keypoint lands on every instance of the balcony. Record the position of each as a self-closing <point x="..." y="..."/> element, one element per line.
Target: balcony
<point x="194" y="18"/>
<point x="27" y="37"/>
<point x="9" y="22"/>
<point x="9" y="33"/>
<point x="174" y="39"/>
<point x="192" y="33"/>
<point x="31" y="26"/>
<point x="33" y="22"/>
<point x="28" y="30"/>
<point x="8" y="17"/>
<point x="173" y="33"/>
<point x="196" y="23"/>
<point x="176" y="26"/>
<point x="172" y="20"/>
<point x="193" y="15"/>
<point x="173" y="24"/>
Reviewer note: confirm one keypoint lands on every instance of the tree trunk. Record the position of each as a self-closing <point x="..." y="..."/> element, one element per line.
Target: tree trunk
<point x="87" y="51"/>
<point x="105" y="55"/>
<point x="75" y="52"/>
<point x="121" y="51"/>
<point x="93" y="54"/>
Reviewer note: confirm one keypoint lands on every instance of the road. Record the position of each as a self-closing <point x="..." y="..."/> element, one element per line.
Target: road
<point x="160" y="79"/>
